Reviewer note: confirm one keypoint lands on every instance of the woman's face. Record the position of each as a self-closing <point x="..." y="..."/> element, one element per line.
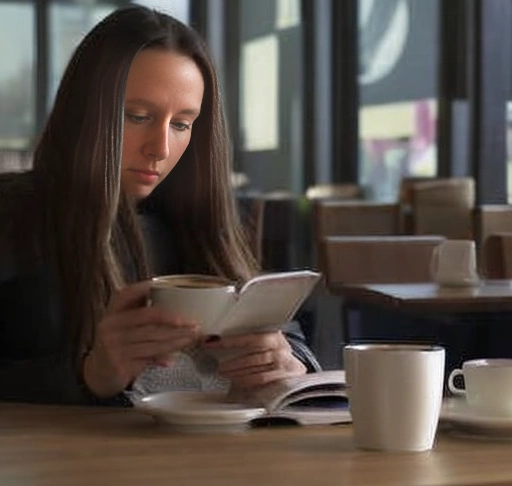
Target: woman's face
<point x="163" y="98"/>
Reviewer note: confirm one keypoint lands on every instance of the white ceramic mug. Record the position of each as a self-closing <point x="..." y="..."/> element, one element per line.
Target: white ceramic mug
<point x="454" y="263"/>
<point x="395" y="393"/>
<point x="487" y="385"/>
<point x="200" y="298"/>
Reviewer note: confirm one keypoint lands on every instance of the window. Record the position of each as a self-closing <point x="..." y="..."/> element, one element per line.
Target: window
<point x="68" y="22"/>
<point x="398" y="43"/>
<point x="68" y="25"/>
<point x="17" y="76"/>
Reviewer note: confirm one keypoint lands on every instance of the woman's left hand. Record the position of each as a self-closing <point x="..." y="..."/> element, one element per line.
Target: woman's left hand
<point x="260" y="358"/>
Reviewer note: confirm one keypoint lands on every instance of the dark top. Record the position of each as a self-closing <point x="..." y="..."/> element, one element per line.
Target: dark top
<point x="33" y="366"/>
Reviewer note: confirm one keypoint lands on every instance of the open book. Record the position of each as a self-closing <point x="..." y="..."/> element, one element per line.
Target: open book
<point x="267" y="301"/>
<point x="312" y="399"/>
<point x="315" y="398"/>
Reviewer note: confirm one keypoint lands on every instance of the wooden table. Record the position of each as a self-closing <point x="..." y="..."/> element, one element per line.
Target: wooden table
<point x="471" y="322"/>
<point x="489" y="296"/>
<point x="74" y="446"/>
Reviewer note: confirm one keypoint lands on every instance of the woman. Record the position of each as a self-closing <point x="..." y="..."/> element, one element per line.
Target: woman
<point x="100" y="213"/>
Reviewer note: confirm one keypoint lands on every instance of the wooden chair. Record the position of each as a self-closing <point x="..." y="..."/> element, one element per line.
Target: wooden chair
<point x="344" y="218"/>
<point x="406" y="189"/>
<point x="280" y="222"/>
<point x="251" y="210"/>
<point x="362" y="218"/>
<point x="489" y="219"/>
<point x="443" y="207"/>
<point x="405" y="196"/>
<point x="15" y="160"/>
<point x="497" y="256"/>
<point x="376" y="259"/>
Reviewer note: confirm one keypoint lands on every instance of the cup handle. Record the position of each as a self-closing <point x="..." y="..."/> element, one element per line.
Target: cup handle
<point x="451" y="383"/>
<point x="434" y="263"/>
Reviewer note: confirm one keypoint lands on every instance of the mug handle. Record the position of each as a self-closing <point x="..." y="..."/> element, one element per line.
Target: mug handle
<point x="451" y="384"/>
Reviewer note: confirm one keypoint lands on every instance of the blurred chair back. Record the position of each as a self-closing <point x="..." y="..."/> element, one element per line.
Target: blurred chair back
<point x="343" y="218"/>
<point x="444" y="207"/>
<point x="405" y="196"/>
<point x="279" y="234"/>
<point x="378" y="259"/>
<point x="489" y="219"/>
<point x="335" y="191"/>
<point x="15" y="160"/>
<point x="375" y="259"/>
<point x="355" y="218"/>
<point x="406" y="188"/>
<point x="251" y="210"/>
<point x="497" y="256"/>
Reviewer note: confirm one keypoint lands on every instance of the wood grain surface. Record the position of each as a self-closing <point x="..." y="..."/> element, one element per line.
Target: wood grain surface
<point x="53" y="445"/>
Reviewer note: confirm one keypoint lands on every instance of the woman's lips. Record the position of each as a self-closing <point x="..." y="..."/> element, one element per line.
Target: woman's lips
<point x="146" y="176"/>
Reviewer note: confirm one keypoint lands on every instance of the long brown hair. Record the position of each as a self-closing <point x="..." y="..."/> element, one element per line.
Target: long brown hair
<point x="87" y="219"/>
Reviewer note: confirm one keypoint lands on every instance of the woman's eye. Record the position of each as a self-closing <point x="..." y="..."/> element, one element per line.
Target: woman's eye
<point x="136" y="118"/>
<point x="181" y="126"/>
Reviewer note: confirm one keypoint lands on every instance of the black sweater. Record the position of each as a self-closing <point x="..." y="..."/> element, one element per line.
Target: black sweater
<point x="33" y="366"/>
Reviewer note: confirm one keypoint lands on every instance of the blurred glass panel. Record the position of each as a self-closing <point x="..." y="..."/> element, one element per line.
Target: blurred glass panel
<point x="259" y="93"/>
<point x="509" y="151"/>
<point x="17" y="103"/>
<point x="398" y="46"/>
<point x="287" y="14"/>
<point x="69" y="23"/>
<point x="269" y="136"/>
<point x="177" y="8"/>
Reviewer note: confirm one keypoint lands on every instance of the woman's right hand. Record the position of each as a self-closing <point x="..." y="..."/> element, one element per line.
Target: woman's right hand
<point x="130" y="337"/>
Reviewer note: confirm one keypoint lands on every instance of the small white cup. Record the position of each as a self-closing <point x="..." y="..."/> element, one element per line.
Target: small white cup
<point x="395" y="393"/>
<point x="488" y="385"/>
<point x="200" y="298"/>
<point x="454" y="263"/>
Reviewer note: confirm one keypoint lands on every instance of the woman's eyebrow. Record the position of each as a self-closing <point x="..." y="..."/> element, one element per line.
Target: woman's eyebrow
<point x="154" y="106"/>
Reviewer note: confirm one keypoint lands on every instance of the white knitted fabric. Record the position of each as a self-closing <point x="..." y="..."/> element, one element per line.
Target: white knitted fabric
<point x="191" y="371"/>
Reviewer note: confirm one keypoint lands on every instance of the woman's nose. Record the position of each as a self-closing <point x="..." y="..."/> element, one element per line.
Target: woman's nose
<point x="157" y="143"/>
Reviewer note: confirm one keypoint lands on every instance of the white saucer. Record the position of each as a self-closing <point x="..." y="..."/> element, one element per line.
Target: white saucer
<point x="190" y="411"/>
<point x="457" y="413"/>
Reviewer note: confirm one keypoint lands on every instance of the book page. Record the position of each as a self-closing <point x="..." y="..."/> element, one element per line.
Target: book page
<point x="268" y="301"/>
<point x="282" y="393"/>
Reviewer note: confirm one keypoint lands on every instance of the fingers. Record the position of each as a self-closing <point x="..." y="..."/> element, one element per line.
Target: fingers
<point x="144" y="316"/>
<point x="132" y="336"/>
<point x="164" y="360"/>
<point x="152" y="333"/>
<point x="129" y="297"/>
<point x="246" y="362"/>
<point x="254" y="380"/>
<point x="267" y="357"/>
<point x="254" y="342"/>
<point x="152" y="350"/>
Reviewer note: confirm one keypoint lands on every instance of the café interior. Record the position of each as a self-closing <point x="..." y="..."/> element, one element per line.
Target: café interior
<point x="365" y="134"/>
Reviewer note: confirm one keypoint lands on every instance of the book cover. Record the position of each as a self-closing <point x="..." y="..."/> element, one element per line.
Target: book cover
<point x="267" y="301"/>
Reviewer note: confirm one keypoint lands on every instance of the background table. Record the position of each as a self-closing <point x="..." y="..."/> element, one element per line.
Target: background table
<point x="489" y="296"/>
<point x="471" y="322"/>
<point x="57" y="446"/>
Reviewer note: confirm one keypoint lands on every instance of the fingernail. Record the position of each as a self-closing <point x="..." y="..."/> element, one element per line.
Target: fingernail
<point x="212" y="338"/>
